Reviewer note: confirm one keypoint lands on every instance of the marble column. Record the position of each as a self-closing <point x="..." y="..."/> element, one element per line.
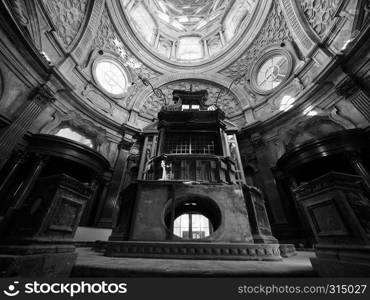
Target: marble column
<point x="265" y="156"/>
<point x="110" y="208"/>
<point x="14" y="133"/>
<point x="353" y="92"/>
<point x="101" y="198"/>
<point x="143" y="159"/>
<point x="87" y="217"/>
<point x="30" y="181"/>
<point x="355" y="160"/>
<point x="238" y="158"/>
<point x="19" y="161"/>
<point x="161" y="140"/>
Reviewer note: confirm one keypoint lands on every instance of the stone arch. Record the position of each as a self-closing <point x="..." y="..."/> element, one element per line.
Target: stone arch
<point x="76" y="121"/>
<point x="205" y="206"/>
<point x="241" y="96"/>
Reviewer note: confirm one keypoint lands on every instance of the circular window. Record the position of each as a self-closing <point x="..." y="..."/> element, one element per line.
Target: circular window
<point x="271" y="71"/>
<point x="110" y="76"/>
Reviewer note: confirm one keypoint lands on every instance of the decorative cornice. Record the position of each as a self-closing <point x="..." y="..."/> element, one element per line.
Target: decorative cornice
<point x="42" y="95"/>
<point x="214" y="64"/>
<point x="302" y="34"/>
<point x="346" y="87"/>
<point x="87" y="37"/>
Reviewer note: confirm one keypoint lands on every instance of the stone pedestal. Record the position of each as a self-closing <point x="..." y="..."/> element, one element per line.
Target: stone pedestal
<point x="339" y="215"/>
<point x="156" y="202"/>
<point x="37" y="239"/>
<point x="258" y="218"/>
<point x="189" y="203"/>
<point x="222" y="204"/>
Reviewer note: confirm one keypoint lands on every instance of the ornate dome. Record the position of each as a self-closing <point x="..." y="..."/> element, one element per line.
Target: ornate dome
<point x="188" y="31"/>
<point x="259" y="59"/>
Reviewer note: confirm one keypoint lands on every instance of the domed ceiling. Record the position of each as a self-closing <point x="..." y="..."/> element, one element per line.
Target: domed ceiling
<point x="259" y="57"/>
<point x="188" y="31"/>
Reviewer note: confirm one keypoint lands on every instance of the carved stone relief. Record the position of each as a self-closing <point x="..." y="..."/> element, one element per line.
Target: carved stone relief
<point x="67" y="17"/>
<point x="20" y="12"/>
<point x="164" y="47"/>
<point x="320" y="14"/>
<point x="108" y="39"/>
<point x="86" y="127"/>
<point x="25" y="13"/>
<point x="274" y="31"/>
<point x="214" y="44"/>
<point x="228" y="103"/>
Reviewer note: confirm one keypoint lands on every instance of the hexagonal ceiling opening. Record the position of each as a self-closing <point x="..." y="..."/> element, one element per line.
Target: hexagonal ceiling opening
<point x="188" y="31"/>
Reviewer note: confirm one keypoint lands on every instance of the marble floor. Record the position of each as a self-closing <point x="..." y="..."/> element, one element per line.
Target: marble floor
<point x="91" y="263"/>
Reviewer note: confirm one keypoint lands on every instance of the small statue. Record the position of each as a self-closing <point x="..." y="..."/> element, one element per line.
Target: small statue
<point x="164" y="171"/>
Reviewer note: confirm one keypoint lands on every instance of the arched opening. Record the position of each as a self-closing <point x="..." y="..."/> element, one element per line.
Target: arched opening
<point x="76" y="136"/>
<point x="193" y="218"/>
<point x="192" y="225"/>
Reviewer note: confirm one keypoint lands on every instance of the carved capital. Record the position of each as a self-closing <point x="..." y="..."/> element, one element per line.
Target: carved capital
<point x="257" y="140"/>
<point x="347" y="87"/>
<point x="353" y="157"/>
<point x="42" y="96"/>
<point x="21" y="156"/>
<point x="42" y="159"/>
<point x="20" y="11"/>
<point x="125" y="145"/>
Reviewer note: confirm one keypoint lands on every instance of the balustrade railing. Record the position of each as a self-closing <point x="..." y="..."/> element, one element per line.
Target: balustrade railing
<point x="191" y="167"/>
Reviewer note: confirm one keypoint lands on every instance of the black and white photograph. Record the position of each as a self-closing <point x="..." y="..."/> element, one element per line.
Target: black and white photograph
<point x="200" y="147"/>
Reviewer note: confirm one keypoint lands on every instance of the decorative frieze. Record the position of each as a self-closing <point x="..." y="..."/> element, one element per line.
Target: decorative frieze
<point x="83" y="46"/>
<point x="274" y="31"/>
<point x="67" y="17"/>
<point x="108" y="39"/>
<point x="182" y="250"/>
<point x="298" y="30"/>
<point x="320" y="14"/>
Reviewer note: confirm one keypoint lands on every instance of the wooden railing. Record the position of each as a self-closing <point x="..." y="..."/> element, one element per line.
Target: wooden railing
<point x="191" y="167"/>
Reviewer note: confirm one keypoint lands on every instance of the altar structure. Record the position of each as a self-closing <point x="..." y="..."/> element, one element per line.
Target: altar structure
<point x="191" y="200"/>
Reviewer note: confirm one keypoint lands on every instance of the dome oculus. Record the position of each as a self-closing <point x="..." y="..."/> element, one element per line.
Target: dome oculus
<point x="110" y="76"/>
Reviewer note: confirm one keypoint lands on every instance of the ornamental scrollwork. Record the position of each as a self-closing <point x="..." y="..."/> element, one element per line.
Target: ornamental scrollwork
<point x="320" y="14"/>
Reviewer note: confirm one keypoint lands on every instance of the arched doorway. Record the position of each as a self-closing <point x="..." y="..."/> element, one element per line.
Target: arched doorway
<point x="192" y="217"/>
